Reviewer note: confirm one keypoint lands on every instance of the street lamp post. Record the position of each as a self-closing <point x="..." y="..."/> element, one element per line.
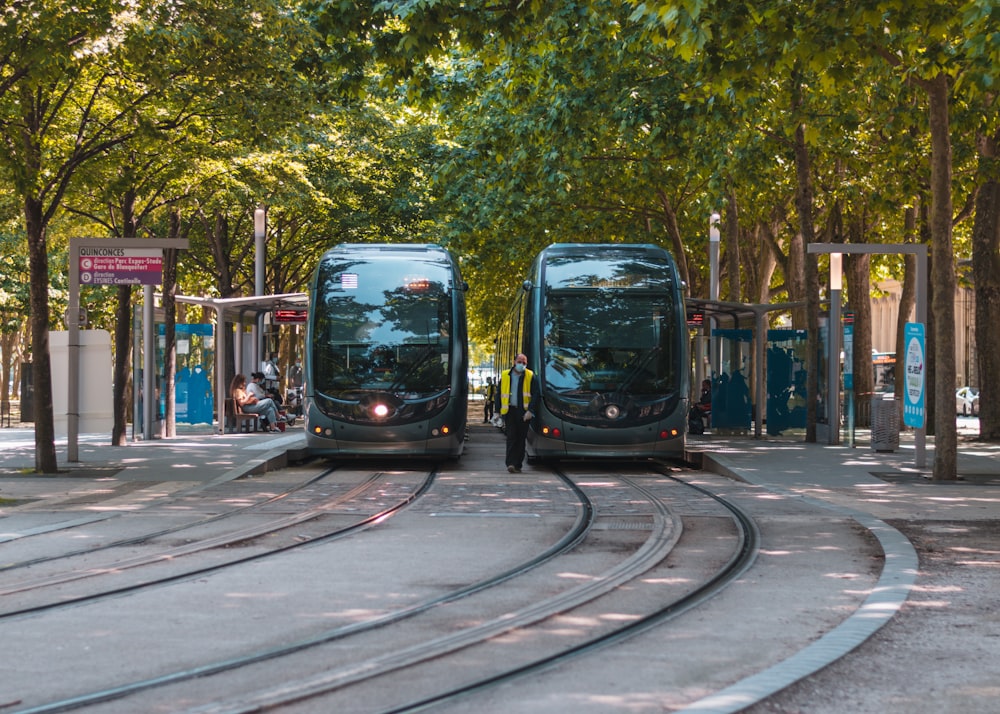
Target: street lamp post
<point x="833" y="363"/>
<point x="713" y="256"/>
<point x="260" y="255"/>
<point x="715" y="356"/>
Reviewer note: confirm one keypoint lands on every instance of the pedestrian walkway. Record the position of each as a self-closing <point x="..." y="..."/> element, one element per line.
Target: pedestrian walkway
<point x="886" y="485"/>
<point x="869" y="487"/>
<point x="195" y="456"/>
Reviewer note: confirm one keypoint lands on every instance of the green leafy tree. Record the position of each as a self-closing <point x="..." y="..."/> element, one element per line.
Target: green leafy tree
<point x="927" y="42"/>
<point x="78" y="81"/>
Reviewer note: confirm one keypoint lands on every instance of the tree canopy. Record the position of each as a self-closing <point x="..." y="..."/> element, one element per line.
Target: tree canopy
<point x="496" y="129"/>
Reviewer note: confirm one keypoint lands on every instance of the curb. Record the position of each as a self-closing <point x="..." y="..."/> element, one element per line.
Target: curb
<point x="897" y="579"/>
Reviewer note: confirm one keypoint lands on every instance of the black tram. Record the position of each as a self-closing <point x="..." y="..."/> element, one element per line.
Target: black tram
<point x="386" y="369"/>
<point x="604" y="329"/>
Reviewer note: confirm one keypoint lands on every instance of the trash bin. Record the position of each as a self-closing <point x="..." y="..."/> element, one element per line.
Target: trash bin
<point x="885" y="423"/>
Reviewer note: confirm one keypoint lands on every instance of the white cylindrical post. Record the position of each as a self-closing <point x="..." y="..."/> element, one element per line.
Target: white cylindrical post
<point x="260" y="248"/>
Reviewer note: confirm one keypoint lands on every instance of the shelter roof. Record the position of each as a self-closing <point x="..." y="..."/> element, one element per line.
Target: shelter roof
<point x="739" y="312"/>
<point x="229" y="307"/>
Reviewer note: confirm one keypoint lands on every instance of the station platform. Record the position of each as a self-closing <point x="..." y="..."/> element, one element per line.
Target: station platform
<point x="857" y="477"/>
<point x="196" y="457"/>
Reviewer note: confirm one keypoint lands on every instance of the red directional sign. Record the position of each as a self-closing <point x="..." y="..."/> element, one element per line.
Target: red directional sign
<point x="290" y="315"/>
<point x="121" y="266"/>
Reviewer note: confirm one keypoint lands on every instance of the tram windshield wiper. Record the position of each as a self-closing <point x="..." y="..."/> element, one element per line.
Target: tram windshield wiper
<point x="426" y="353"/>
<point x="639" y="369"/>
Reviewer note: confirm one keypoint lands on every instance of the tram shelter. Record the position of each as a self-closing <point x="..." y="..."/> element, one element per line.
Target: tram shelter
<point x="733" y="352"/>
<point x="233" y="314"/>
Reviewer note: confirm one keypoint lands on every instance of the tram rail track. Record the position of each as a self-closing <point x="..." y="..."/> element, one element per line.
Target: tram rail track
<point x="368" y="672"/>
<point x="145" y="537"/>
<point x="740" y="561"/>
<point x="580" y="526"/>
<point x="117" y="567"/>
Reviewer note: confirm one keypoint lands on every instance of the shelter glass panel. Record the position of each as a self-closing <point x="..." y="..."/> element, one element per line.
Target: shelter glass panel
<point x="786" y="380"/>
<point x="731" y="402"/>
<point x="194" y="400"/>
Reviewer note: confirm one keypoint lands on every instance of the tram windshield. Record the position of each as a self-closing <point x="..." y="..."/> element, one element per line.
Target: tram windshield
<point x="381" y="325"/>
<point x="601" y="343"/>
<point x="610" y="327"/>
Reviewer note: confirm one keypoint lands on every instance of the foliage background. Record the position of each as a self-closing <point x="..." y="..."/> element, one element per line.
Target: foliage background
<point x="493" y="129"/>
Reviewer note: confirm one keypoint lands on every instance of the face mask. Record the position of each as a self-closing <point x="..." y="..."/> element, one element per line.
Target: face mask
<point x="519" y="367"/>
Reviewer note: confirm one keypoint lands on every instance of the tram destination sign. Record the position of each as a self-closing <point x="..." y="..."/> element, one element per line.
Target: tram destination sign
<point x="120" y="266"/>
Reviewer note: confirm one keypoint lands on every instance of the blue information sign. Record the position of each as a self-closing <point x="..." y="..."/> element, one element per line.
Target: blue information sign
<point x="914" y="375"/>
<point x="849" y="356"/>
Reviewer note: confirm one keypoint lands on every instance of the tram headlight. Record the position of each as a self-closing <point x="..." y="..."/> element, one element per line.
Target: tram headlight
<point x="612" y="411"/>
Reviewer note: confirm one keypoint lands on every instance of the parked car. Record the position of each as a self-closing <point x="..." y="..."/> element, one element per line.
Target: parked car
<point x="967" y="401"/>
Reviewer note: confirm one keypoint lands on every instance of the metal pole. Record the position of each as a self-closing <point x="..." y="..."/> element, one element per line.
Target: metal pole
<point x="149" y="404"/>
<point x="136" y="369"/>
<point x="920" y="435"/>
<point x="73" y="354"/>
<point x="759" y="376"/>
<point x="713" y="256"/>
<point x="221" y="387"/>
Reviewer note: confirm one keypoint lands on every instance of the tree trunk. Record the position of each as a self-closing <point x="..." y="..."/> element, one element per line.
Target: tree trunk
<point x="674" y="232"/>
<point x="170" y="326"/>
<point x="218" y="236"/>
<point x="41" y="360"/>
<point x="943" y="277"/>
<point x="8" y="342"/>
<point x="733" y="247"/>
<point x="804" y="201"/>
<point x="767" y="262"/>
<point x="123" y="331"/>
<point x="986" y="274"/>
<point x="859" y="292"/>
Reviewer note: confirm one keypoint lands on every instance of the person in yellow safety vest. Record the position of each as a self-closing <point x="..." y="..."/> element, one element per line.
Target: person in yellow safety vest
<point x="518" y="400"/>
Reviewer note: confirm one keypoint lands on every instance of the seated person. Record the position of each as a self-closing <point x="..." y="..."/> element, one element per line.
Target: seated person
<point x="705" y="400"/>
<point x="256" y="385"/>
<point x="252" y="405"/>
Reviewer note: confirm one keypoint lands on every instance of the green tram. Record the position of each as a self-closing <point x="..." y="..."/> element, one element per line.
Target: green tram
<point x="386" y="368"/>
<point x="604" y="329"/>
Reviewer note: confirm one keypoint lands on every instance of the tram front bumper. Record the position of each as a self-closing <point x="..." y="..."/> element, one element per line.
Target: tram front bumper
<point x="648" y="441"/>
<point x="421" y="439"/>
